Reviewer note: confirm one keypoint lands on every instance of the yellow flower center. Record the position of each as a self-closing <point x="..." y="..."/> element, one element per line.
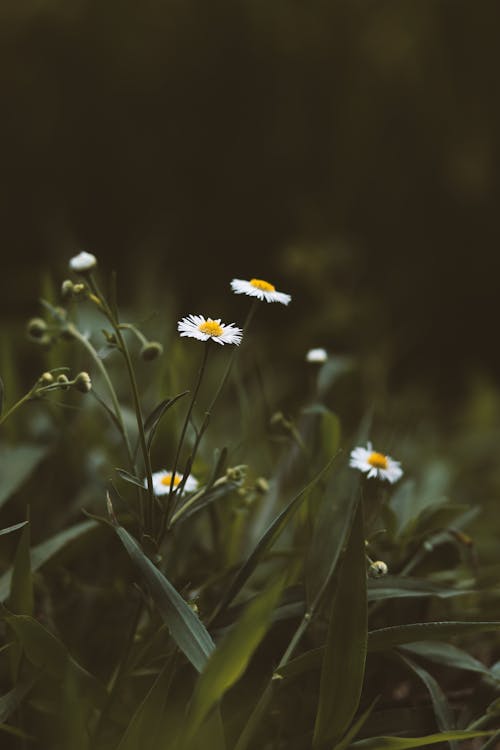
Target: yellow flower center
<point x="168" y="478"/>
<point x="377" y="460"/>
<point x="211" y="328"/>
<point x="264" y="286"/>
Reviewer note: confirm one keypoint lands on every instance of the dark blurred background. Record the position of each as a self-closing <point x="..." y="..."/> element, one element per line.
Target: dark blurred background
<point x="345" y="150"/>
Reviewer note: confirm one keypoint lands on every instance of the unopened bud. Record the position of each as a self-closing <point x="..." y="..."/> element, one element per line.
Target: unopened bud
<point x="37" y="327"/>
<point x="151" y="350"/>
<point x="79" y="289"/>
<point x="378" y="569"/>
<point x="236" y="473"/>
<point x="83" y="382"/>
<point x="63" y="381"/>
<point x="67" y="289"/>
<point x="262" y="485"/>
<point x="46" y="378"/>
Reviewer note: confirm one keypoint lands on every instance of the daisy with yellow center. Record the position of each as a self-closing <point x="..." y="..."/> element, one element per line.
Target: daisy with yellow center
<point x="198" y="327"/>
<point x="261" y="289"/>
<point x="163" y="479"/>
<point x="375" y="464"/>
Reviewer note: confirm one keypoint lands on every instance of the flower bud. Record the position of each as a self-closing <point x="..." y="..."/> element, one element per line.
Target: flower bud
<point x="46" y="378"/>
<point x="83" y="262"/>
<point x="83" y="382"/>
<point x="67" y="289"/>
<point x="37" y="327"/>
<point x="378" y="569"/>
<point x="262" y="485"/>
<point x="63" y="381"/>
<point x="151" y="350"/>
<point x="79" y="289"/>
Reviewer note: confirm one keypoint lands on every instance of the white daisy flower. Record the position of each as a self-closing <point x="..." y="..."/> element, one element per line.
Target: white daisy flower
<point x="198" y="327"/>
<point x="163" y="478"/>
<point x="316" y="355"/>
<point x="375" y="464"/>
<point x="261" y="289"/>
<point x="83" y="262"/>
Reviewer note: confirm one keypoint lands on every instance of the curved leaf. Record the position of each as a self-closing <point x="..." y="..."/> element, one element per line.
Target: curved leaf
<point x="406" y="743"/>
<point x="185" y="627"/>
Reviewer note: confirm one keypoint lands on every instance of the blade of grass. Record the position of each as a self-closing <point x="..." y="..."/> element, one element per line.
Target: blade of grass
<point x="345" y="651"/>
<point x="407" y="743"/>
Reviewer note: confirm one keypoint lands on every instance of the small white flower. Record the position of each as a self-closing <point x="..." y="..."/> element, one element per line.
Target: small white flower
<point x="316" y="355"/>
<point x="198" y="327"/>
<point x="375" y="464"/>
<point x="261" y="289"/>
<point x="163" y="478"/>
<point x="83" y="262"/>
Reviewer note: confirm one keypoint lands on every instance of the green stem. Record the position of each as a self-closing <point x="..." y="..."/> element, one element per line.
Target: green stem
<point x="116" y="405"/>
<point x="146" y="519"/>
<point x="27" y="397"/>
<point x="172" y="494"/>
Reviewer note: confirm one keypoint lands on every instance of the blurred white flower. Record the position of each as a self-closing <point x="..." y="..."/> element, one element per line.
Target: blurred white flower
<point x="375" y="464"/>
<point x="316" y="355"/>
<point x="163" y="478"/>
<point x="198" y="327"/>
<point x="83" y="262"/>
<point x="261" y="289"/>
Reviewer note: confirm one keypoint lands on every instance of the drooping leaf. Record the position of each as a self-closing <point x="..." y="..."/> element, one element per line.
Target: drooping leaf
<point x="231" y="657"/>
<point x="442" y="711"/>
<point x="16" y="465"/>
<point x="447" y="654"/>
<point x="397" y="635"/>
<point x="21" y="585"/>
<point x="47" y="653"/>
<point x="153" y="420"/>
<point x="344" y="657"/>
<point x="407" y="743"/>
<point x="186" y="628"/>
<point x="44" y="551"/>
<point x="399" y="587"/>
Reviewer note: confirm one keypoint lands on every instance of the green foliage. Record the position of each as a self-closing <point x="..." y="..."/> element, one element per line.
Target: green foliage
<point x="241" y="614"/>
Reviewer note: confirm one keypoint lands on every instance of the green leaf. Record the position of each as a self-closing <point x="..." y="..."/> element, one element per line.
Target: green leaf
<point x="153" y="420"/>
<point x="230" y="659"/>
<point x="333" y="523"/>
<point x="330" y="432"/>
<point x="44" y="551"/>
<point x="399" y="587"/>
<point x="345" y="652"/>
<point x="268" y="538"/>
<point x="21" y="600"/>
<point x="130" y="478"/>
<point x="406" y="743"/>
<point x="186" y="629"/>
<point x="380" y="640"/>
<point x="145" y="723"/>
<point x="16" y="465"/>
<point x="2" y="396"/>
<point x="46" y="652"/>
<point x="447" y="654"/>
<point x="10" y="529"/>
<point x="386" y="638"/>
<point x="355" y="728"/>
<point x="442" y="711"/>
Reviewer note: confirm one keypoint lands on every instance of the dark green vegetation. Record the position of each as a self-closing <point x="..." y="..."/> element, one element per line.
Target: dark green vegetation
<point x="244" y="614"/>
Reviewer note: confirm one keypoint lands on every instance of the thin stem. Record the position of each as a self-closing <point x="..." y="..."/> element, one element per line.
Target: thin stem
<point x="201" y="372"/>
<point x="116" y="405"/>
<point x="27" y="397"/>
<point x="147" y="523"/>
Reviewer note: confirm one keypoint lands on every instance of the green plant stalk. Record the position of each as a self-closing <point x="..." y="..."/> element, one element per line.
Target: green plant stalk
<point x="27" y="397"/>
<point x="116" y="405"/>
<point x="146" y="518"/>
<point x="172" y="494"/>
